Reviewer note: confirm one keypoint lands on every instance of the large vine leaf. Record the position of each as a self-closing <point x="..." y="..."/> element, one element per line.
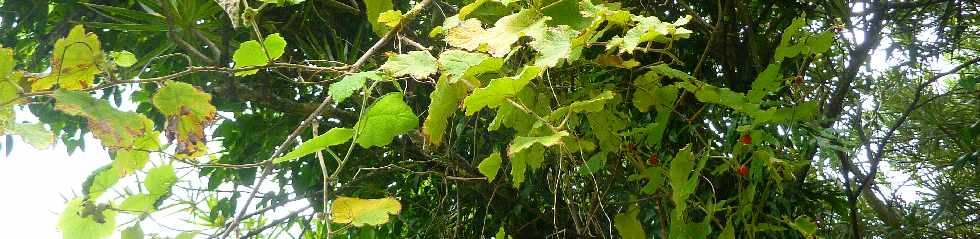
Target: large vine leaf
<point x="498" y="90"/>
<point x="490" y="165"/>
<point x="114" y="128"/>
<point x="74" y="63"/>
<point x="8" y="87"/>
<point x="418" y="64"/>
<point x="554" y="45"/>
<point x="390" y="116"/>
<point x="160" y="179"/>
<point x="34" y="134"/>
<point x="455" y="63"/>
<point x="360" y="212"/>
<point x="142" y="203"/>
<point x="251" y="53"/>
<point x="445" y="100"/>
<point x="188" y="111"/>
<point x="332" y="137"/>
<point x="80" y="221"/>
<point x="99" y="181"/>
<point x="346" y="87"/>
<point x="507" y="30"/>
<point x="649" y="93"/>
<point x="521" y="143"/>
<point x="628" y="226"/>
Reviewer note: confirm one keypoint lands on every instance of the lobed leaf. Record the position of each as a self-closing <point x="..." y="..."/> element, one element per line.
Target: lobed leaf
<point x="360" y="212"/>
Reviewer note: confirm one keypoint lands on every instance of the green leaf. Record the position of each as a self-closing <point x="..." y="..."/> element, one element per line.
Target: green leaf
<point x="649" y="93"/>
<point x="822" y="42"/>
<point x="160" y="179"/>
<point x="34" y="134"/>
<point x="275" y="45"/>
<point x="360" y="212"/>
<point x="444" y="103"/>
<point x="332" y="137"/>
<point x="595" y="164"/>
<point x="74" y="62"/>
<point x="123" y="58"/>
<point x="139" y="203"/>
<point x="595" y="104"/>
<point x="521" y="143"/>
<point x="390" y="18"/>
<point x="498" y="90"/>
<point x="418" y="64"/>
<point x="77" y="222"/>
<point x="114" y="128"/>
<point x="186" y="235"/>
<point x="518" y="165"/>
<point x="188" y="111"/>
<point x="500" y="234"/>
<point x="507" y="30"/>
<point x="251" y="53"/>
<point x="628" y="226"/>
<point x="803" y="225"/>
<point x="490" y="165"/>
<point x="133" y="232"/>
<point x="767" y="82"/>
<point x="98" y="182"/>
<point x="456" y="63"/>
<point x="390" y="116"/>
<point x="346" y="87"/>
<point x="374" y="8"/>
<point x="554" y="45"/>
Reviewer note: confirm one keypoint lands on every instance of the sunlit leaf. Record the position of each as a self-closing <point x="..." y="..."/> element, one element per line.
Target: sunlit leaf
<point x="554" y="45"/>
<point x="418" y="64"/>
<point x="139" y="203"/>
<point x="99" y="181"/>
<point x="133" y="232"/>
<point x="444" y="103"/>
<point x="78" y="222"/>
<point x="360" y="212"/>
<point x="74" y="62"/>
<point x="390" y="18"/>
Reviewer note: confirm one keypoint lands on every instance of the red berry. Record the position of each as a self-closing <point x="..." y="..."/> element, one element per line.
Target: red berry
<point x="744" y="171"/>
<point x="798" y="80"/>
<point x="746" y="139"/>
<point x="654" y="160"/>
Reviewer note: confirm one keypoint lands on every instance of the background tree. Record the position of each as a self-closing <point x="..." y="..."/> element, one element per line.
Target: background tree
<point x="530" y="119"/>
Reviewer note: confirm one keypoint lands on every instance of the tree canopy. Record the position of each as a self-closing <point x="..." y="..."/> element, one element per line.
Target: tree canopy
<point x="505" y="118"/>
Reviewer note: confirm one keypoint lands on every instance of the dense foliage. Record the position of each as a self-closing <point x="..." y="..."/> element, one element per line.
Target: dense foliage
<point x="497" y="118"/>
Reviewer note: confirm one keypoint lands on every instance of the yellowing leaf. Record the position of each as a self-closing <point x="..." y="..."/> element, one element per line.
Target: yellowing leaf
<point x="390" y="18"/>
<point x="188" y="111"/>
<point x="332" y="137"/>
<point x="251" y="53"/>
<point x="360" y="212"/>
<point x="418" y="64"/>
<point x="521" y="143"/>
<point x="390" y="116"/>
<point x="498" y="90"/>
<point x="490" y="165"/>
<point x="78" y="223"/>
<point x="74" y="62"/>
<point x="374" y="8"/>
<point x="467" y="35"/>
<point x="116" y="129"/>
<point x="507" y="30"/>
